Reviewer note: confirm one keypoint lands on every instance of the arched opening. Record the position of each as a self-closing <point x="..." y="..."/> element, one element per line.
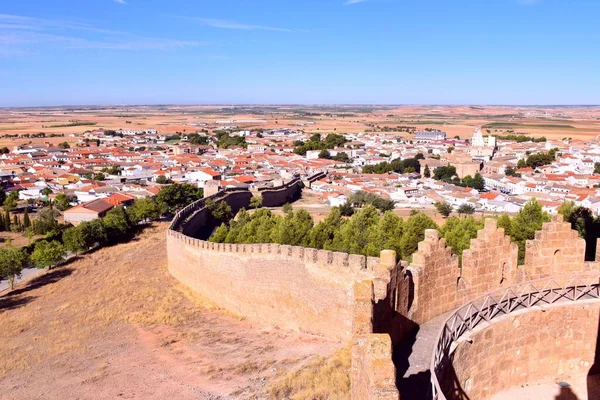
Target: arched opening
<point x="556" y="258"/>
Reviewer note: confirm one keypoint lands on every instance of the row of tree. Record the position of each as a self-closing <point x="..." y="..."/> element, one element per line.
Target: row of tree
<point x="400" y="166"/>
<point x="118" y="224"/>
<point x="538" y="159"/>
<point x="448" y="174"/>
<point x="368" y="231"/>
<point x="315" y="142"/>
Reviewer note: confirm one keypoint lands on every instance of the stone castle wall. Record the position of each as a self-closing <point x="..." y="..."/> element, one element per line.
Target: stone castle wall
<point x="435" y="283"/>
<point x="290" y="287"/>
<point x="373" y="301"/>
<point x="439" y="284"/>
<point x="554" y="344"/>
<point x="286" y="193"/>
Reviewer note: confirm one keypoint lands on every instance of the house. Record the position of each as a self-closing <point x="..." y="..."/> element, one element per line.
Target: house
<point x="203" y="175"/>
<point x="87" y="211"/>
<point x="120" y="199"/>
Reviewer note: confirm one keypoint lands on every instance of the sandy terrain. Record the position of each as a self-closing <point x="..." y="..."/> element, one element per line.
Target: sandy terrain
<point x="114" y="324"/>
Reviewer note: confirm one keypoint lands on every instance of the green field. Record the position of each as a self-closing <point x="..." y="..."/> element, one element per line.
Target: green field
<point x="510" y="125"/>
<point x="82" y="123"/>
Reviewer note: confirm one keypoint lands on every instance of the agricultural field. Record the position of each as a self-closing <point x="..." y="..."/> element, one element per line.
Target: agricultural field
<point x="69" y="123"/>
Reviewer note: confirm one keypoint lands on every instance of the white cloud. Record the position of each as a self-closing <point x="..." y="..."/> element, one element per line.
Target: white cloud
<point x="529" y="2"/>
<point x="350" y="2"/>
<point x="121" y="1"/>
<point x="225" y="24"/>
<point x="22" y="35"/>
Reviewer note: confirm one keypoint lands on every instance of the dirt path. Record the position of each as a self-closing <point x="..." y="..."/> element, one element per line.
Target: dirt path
<point x="114" y="324"/>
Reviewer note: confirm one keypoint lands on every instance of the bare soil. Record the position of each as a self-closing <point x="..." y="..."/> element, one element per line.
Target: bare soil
<point x="114" y="324"/>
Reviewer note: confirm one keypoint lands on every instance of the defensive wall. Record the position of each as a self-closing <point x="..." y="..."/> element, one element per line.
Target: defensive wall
<point x="286" y="193"/>
<point x="556" y="343"/>
<point x="379" y="303"/>
<point x="436" y="283"/>
<point x="290" y="287"/>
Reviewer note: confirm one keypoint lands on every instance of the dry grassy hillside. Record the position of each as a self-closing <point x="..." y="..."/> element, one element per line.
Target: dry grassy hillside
<point x="114" y="324"/>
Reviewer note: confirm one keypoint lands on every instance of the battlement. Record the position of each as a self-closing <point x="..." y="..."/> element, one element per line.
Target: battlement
<point x="374" y="301"/>
<point x="325" y="258"/>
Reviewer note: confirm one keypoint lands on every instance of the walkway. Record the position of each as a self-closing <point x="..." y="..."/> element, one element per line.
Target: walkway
<point x="414" y="379"/>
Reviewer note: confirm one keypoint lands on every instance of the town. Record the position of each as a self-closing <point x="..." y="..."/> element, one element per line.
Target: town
<point x="480" y="171"/>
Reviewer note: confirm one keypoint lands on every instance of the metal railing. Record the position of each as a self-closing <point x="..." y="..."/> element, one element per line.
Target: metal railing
<point x="547" y="291"/>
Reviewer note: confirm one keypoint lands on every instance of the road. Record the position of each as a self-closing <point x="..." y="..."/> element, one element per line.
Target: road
<point x="25" y="274"/>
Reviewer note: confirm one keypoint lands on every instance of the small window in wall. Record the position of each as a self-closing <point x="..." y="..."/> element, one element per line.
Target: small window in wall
<point x="411" y="290"/>
<point x="503" y="276"/>
<point x="556" y="258"/>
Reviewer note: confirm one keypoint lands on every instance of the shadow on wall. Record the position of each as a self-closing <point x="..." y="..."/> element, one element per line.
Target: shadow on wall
<point x="566" y="393"/>
<point x="593" y="376"/>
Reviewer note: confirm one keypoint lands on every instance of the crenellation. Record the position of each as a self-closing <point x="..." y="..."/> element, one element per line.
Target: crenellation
<point x="328" y="300"/>
<point x="340" y="259"/>
<point x="297" y="252"/>
<point x="324" y="257"/>
<point x="357" y="262"/>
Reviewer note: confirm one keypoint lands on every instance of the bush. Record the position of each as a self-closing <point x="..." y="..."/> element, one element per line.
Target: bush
<point x="47" y="254"/>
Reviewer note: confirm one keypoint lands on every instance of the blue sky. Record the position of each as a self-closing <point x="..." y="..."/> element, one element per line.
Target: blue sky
<point x="69" y="52"/>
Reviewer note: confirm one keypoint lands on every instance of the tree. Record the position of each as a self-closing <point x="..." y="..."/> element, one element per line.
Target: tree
<point x="427" y="172"/>
<point x="294" y="229"/>
<point x="220" y="211"/>
<point x="458" y="233"/>
<point x="325" y="154"/>
<point x="74" y="240"/>
<point x="63" y="201"/>
<point x="99" y="176"/>
<point x="362" y="198"/>
<point x="145" y="209"/>
<point x="178" y="196"/>
<point x="477" y="182"/>
<point x="161" y="179"/>
<point x="342" y="156"/>
<point x="46" y="191"/>
<point x="413" y="233"/>
<point x="11" y="201"/>
<point x="321" y="236"/>
<point x="46" y="221"/>
<point x="26" y="220"/>
<point x="521" y="164"/>
<point x="12" y="261"/>
<point x="444" y="208"/>
<point x="220" y="234"/>
<point x="353" y="236"/>
<point x="525" y="223"/>
<point x="47" y="254"/>
<point x="346" y="209"/>
<point x="16" y="225"/>
<point x="444" y="173"/>
<point x="6" y="220"/>
<point x="116" y="223"/>
<point x="597" y="168"/>
<point x="256" y="202"/>
<point x="466" y="209"/>
<point x="64" y="145"/>
<point x="583" y="221"/>
<point x="94" y="232"/>
<point x="386" y="235"/>
<point x="287" y="208"/>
